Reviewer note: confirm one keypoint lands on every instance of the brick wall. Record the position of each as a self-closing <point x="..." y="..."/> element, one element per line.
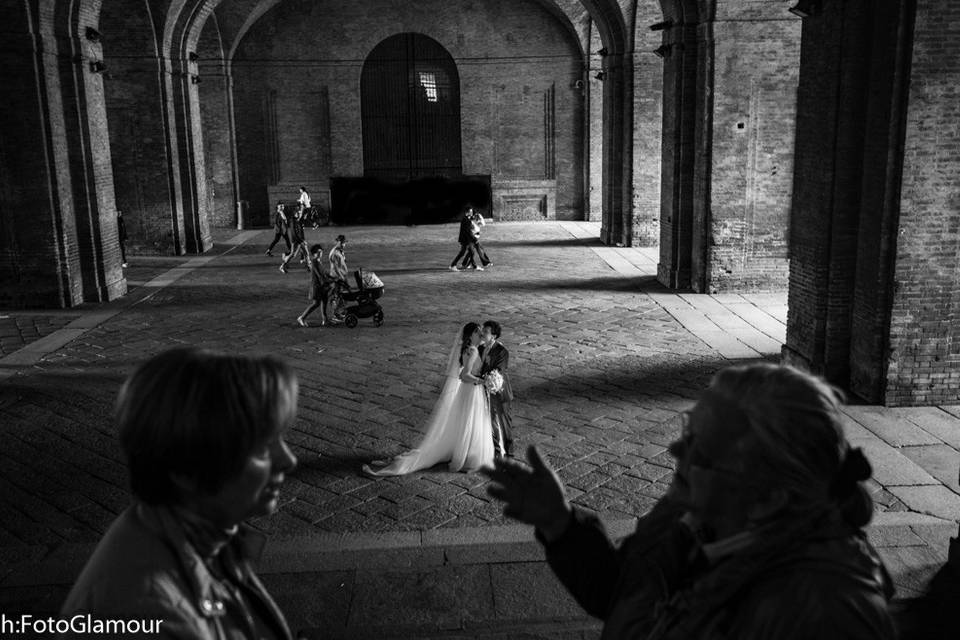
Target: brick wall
<point x="826" y="190"/>
<point x="876" y="214"/>
<point x="746" y="160"/>
<point x="509" y="55"/>
<point x="39" y="262"/>
<point x="647" y="131"/>
<point x="135" y="118"/>
<point x="924" y="342"/>
<point x="729" y="99"/>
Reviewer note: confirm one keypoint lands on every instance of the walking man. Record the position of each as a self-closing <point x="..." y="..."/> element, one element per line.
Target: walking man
<point x="465" y="238"/>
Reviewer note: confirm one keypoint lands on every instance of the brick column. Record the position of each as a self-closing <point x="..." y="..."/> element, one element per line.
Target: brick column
<point x="872" y="284"/>
<point x="39" y="258"/>
<point x="676" y="177"/>
<point x="924" y="345"/>
<point x="647" y="95"/>
<point x="88" y="148"/>
<point x="220" y="157"/>
<point x="185" y="142"/>
<point x="831" y="108"/>
<point x="613" y="148"/>
<point x="59" y="243"/>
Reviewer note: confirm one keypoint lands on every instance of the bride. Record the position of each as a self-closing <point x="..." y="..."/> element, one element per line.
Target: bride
<point x="459" y="430"/>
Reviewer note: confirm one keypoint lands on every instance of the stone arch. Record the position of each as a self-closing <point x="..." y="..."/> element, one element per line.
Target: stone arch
<point x="185" y="19"/>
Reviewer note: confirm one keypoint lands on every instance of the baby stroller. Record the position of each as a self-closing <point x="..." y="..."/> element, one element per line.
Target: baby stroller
<point x="369" y="289"/>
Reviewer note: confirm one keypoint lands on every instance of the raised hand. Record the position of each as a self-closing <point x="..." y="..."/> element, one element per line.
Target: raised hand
<point x="531" y="493"/>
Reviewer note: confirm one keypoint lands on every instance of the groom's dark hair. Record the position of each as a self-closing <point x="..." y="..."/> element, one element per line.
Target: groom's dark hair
<point x="494" y="327"/>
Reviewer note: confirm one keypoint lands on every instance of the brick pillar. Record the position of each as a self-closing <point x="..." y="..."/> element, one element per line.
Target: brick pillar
<point x="831" y="108"/>
<point x="852" y="261"/>
<point x="676" y="179"/>
<point x="220" y="157"/>
<point x="200" y="222"/>
<point x="647" y="130"/>
<point x="613" y="148"/>
<point x="88" y="148"/>
<point x="186" y="145"/>
<point x="924" y="344"/>
<point x="60" y="244"/>
<point x="594" y="142"/>
<point x="39" y="257"/>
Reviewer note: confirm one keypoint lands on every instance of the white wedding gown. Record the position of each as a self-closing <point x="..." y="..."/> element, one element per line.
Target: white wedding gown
<point x="459" y="430"/>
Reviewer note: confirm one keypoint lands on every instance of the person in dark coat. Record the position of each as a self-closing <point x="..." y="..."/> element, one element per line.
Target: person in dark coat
<point x="465" y="238"/>
<point x="497" y="358"/>
<point x="476" y="224"/>
<point x="760" y="533"/>
<point x="122" y="238"/>
<point x="280" y="228"/>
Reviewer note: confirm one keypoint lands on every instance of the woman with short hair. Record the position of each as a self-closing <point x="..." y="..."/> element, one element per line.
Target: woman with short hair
<point x="202" y="435"/>
<point x="760" y="534"/>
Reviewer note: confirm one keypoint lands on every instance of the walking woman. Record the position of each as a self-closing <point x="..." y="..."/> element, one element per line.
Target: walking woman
<point x="299" y="240"/>
<point x="320" y="286"/>
<point x="280" y="225"/>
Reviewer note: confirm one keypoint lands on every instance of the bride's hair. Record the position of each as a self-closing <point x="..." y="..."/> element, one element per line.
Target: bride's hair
<point x="465" y="336"/>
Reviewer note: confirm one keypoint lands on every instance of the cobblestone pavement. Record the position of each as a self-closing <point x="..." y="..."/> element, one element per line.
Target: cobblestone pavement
<point x="601" y="371"/>
<point x="603" y="360"/>
<point x="20" y="328"/>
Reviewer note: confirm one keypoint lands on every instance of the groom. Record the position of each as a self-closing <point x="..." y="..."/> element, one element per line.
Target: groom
<point x="496" y="356"/>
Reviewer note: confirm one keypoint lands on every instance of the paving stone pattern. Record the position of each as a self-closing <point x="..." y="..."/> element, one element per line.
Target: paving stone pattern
<point x="20" y="328"/>
<point x="601" y="372"/>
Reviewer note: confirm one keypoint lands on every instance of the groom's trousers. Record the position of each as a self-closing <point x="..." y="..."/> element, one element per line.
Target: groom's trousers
<point x="502" y="425"/>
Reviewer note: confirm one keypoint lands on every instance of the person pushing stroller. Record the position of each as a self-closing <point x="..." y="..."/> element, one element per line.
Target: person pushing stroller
<point x="338" y="272"/>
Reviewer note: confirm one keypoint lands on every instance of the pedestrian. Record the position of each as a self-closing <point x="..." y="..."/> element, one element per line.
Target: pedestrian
<point x="465" y="238"/>
<point x="122" y="237"/>
<point x="202" y="435"/>
<point x="338" y="260"/>
<point x="760" y="533"/>
<point x="476" y="222"/>
<point x="280" y="228"/>
<point x="321" y="284"/>
<point x="338" y="272"/>
<point x="304" y="201"/>
<point x="298" y="239"/>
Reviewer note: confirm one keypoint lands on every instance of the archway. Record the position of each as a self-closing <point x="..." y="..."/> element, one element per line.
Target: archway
<point x="410" y="109"/>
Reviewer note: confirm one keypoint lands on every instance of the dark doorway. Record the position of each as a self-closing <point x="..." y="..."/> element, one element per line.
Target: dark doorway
<point x="410" y="109"/>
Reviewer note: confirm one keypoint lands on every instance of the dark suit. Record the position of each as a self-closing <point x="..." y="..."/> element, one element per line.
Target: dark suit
<point x="499" y="358"/>
<point x="465" y="238"/>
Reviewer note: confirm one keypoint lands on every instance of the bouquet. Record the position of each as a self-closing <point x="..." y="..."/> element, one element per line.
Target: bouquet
<point x="493" y="382"/>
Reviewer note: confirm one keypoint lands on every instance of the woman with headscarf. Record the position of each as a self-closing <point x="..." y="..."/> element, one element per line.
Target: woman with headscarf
<point x="760" y="534"/>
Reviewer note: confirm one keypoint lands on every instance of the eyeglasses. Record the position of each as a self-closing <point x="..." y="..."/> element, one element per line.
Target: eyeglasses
<point x="685" y="451"/>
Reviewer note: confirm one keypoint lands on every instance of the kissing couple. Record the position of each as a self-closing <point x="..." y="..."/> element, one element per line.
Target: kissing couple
<point x="470" y="424"/>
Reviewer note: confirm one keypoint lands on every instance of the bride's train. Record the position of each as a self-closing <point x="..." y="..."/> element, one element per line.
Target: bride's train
<point x="459" y="430"/>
